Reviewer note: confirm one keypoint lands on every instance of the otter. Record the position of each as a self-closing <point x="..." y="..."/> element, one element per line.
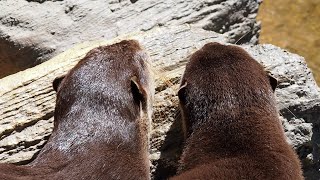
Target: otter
<point x="103" y="110"/>
<point x="230" y="120"/>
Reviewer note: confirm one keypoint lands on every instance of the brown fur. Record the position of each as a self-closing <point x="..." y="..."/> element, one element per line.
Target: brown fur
<point x="102" y="111"/>
<point x="230" y="120"/>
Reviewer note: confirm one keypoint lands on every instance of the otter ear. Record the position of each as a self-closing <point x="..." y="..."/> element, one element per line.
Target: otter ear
<point x="56" y="82"/>
<point x="182" y="92"/>
<point x="138" y="92"/>
<point x="273" y="82"/>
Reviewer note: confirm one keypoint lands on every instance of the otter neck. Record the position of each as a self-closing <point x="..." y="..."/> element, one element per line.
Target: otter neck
<point x="229" y="137"/>
<point x="93" y="130"/>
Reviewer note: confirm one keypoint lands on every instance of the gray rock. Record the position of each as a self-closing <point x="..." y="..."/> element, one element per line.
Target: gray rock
<point x="33" y="31"/>
<point x="297" y="93"/>
<point x="27" y="99"/>
<point x="298" y="98"/>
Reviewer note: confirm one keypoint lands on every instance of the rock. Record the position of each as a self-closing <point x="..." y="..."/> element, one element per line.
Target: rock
<point x="27" y="99"/>
<point x="298" y="100"/>
<point x="297" y="92"/>
<point x="33" y="31"/>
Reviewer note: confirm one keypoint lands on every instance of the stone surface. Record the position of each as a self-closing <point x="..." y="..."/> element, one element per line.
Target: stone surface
<point x="298" y="100"/>
<point x="33" y="31"/>
<point x="298" y="94"/>
<point x="27" y="99"/>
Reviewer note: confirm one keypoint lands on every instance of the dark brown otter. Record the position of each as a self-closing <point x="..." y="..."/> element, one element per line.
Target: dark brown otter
<point x="230" y="119"/>
<point x="102" y="113"/>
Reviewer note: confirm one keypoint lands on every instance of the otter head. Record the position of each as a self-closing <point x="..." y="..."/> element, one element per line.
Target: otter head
<point x="221" y="82"/>
<point x="123" y="65"/>
<point x="111" y="84"/>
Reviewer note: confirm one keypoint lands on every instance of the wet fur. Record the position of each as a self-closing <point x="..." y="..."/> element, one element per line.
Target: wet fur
<point x="230" y="120"/>
<point x="102" y="113"/>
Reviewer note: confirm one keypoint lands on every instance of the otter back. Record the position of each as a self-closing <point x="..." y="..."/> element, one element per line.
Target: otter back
<point x="102" y="113"/>
<point x="230" y="119"/>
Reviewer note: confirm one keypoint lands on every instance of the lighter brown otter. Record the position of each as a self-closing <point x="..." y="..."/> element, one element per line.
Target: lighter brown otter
<point x="102" y="112"/>
<point x="230" y="119"/>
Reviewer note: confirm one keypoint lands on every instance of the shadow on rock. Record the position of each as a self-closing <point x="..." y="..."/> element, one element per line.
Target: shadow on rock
<point x="170" y="150"/>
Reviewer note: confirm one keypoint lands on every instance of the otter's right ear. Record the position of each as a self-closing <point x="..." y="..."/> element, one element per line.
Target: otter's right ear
<point x="182" y="92"/>
<point x="273" y="82"/>
<point x="56" y="82"/>
<point x="139" y="94"/>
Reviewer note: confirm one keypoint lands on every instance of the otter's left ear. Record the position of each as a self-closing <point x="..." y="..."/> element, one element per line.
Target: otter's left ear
<point x="138" y="92"/>
<point x="56" y="82"/>
<point x="182" y="92"/>
<point x="273" y="82"/>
